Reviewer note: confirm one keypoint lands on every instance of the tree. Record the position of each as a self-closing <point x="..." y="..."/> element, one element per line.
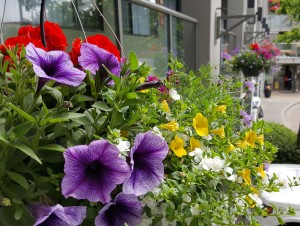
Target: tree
<point x="291" y="8"/>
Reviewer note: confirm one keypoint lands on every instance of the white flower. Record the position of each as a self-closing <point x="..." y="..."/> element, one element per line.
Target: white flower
<point x="156" y="192"/>
<point x="156" y="130"/>
<point x="207" y="137"/>
<point x="256" y="199"/>
<point x="123" y="145"/>
<point x="186" y="198"/>
<point x="198" y="153"/>
<point x="195" y="210"/>
<point x="173" y="94"/>
<point x="169" y="116"/>
<point x="232" y="176"/>
<point x="215" y="164"/>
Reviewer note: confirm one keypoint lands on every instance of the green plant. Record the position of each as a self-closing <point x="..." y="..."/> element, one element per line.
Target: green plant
<point x="285" y="140"/>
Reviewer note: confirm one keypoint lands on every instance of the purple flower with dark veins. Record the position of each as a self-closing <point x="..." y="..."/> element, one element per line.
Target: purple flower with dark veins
<point x="57" y="215"/>
<point x="53" y="65"/>
<point x="126" y="208"/>
<point x="93" y="171"/>
<point x="146" y="157"/>
<point x="93" y="58"/>
<point x="249" y="86"/>
<point x="247" y="119"/>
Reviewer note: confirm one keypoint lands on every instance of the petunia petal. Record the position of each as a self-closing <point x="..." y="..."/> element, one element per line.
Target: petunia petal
<point x="145" y="176"/>
<point x="125" y="209"/>
<point x="92" y="58"/>
<point x="57" y="215"/>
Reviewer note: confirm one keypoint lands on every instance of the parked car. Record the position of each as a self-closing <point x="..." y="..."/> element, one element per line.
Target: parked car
<point x="285" y="197"/>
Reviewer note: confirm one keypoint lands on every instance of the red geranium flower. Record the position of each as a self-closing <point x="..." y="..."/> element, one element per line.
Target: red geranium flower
<point x="254" y="46"/>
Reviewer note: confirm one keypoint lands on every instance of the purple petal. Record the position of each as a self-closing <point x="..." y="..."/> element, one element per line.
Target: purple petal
<point x="54" y="65"/>
<point x="125" y="209"/>
<point x="147" y="168"/>
<point x="92" y="58"/>
<point x="145" y="176"/>
<point x="149" y="145"/>
<point x="93" y="172"/>
<point x="57" y="215"/>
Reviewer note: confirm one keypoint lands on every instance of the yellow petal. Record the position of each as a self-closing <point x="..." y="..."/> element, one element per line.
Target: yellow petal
<point x="260" y="139"/>
<point x="165" y="106"/>
<point x="260" y="170"/>
<point x="177" y="146"/>
<point x="250" y="138"/>
<point x="245" y="174"/>
<point x="200" y="124"/>
<point x="231" y="147"/>
<point x="220" y="132"/>
<point x="142" y="80"/>
<point x="241" y="144"/>
<point x="221" y="108"/>
<point x="172" y="126"/>
<point x="194" y="143"/>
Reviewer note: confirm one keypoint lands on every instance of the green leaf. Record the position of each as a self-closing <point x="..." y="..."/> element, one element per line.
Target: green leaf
<point x="21" y="112"/>
<point x="52" y="147"/>
<point x="18" y="178"/>
<point x="3" y="139"/>
<point x="19" y="212"/>
<point x="62" y="117"/>
<point x="28" y="151"/>
<point x="134" y="63"/>
<point x="22" y="129"/>
<point x="55" y="93"/>
<point x="132" y="95"/>
<point x="102" y="106"/>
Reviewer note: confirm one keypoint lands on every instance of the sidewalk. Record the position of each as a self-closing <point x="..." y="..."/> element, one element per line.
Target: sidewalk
<point x="282" y="107"/>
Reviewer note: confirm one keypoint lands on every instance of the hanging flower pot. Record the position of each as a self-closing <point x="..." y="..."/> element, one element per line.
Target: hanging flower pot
<point x="251" y="71"/>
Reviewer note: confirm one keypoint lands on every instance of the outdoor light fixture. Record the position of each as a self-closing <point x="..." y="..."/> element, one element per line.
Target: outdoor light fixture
<point x="259" y="13"/>
<point x="264" y="22"/>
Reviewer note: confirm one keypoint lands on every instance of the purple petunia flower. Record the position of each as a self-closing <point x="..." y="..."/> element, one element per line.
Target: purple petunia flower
<point x="249" y="86"/>
<point x="57" y="215"/>
<point x="92" y="58"/>
<point x="225" y="55"/>
<point x="146" y="157"/>
<point x="92" y="172"/>
<point x="247" y="119"/>
<point x="53" y="65"/>
<point x="126" y="208"/>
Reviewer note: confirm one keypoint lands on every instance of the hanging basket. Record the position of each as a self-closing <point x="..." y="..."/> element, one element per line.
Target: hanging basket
<point x="251" y="72"/>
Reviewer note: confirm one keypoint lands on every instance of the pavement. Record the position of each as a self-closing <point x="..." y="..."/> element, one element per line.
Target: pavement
<point x="282" y="107"/>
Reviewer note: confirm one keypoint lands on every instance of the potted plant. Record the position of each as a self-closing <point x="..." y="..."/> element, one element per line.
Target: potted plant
<point x="253" y="59"/>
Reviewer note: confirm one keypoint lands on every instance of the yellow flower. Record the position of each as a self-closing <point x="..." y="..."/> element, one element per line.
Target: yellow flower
<point x="250" y="138"/>
<point x="165" y="106"/>
<point x="260" y="139"/>
<point x="231" y="147"/>
<point x="241" y="144"/>
<point x="260" y="170"/>
<point x="177" y="146"/>
<point x="220" y="132"/>
<point x="172" y="126"/>
<point x="221" y="108"/>
<point x="194" y="143"/>
<point x="200" y="124"/>
<point x="245" y="174"/>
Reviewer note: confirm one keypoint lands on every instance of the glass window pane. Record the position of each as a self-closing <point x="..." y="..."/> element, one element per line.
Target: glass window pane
<point x="27" y="12"/>
<point x="184" y="41"/>
<point x="148" y="36"/>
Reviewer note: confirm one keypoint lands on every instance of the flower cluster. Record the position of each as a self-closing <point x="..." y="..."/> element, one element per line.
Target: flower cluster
<point x="274" y="5"/>
<point x="255" y="57"/>
<point x="90" y="138"/>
